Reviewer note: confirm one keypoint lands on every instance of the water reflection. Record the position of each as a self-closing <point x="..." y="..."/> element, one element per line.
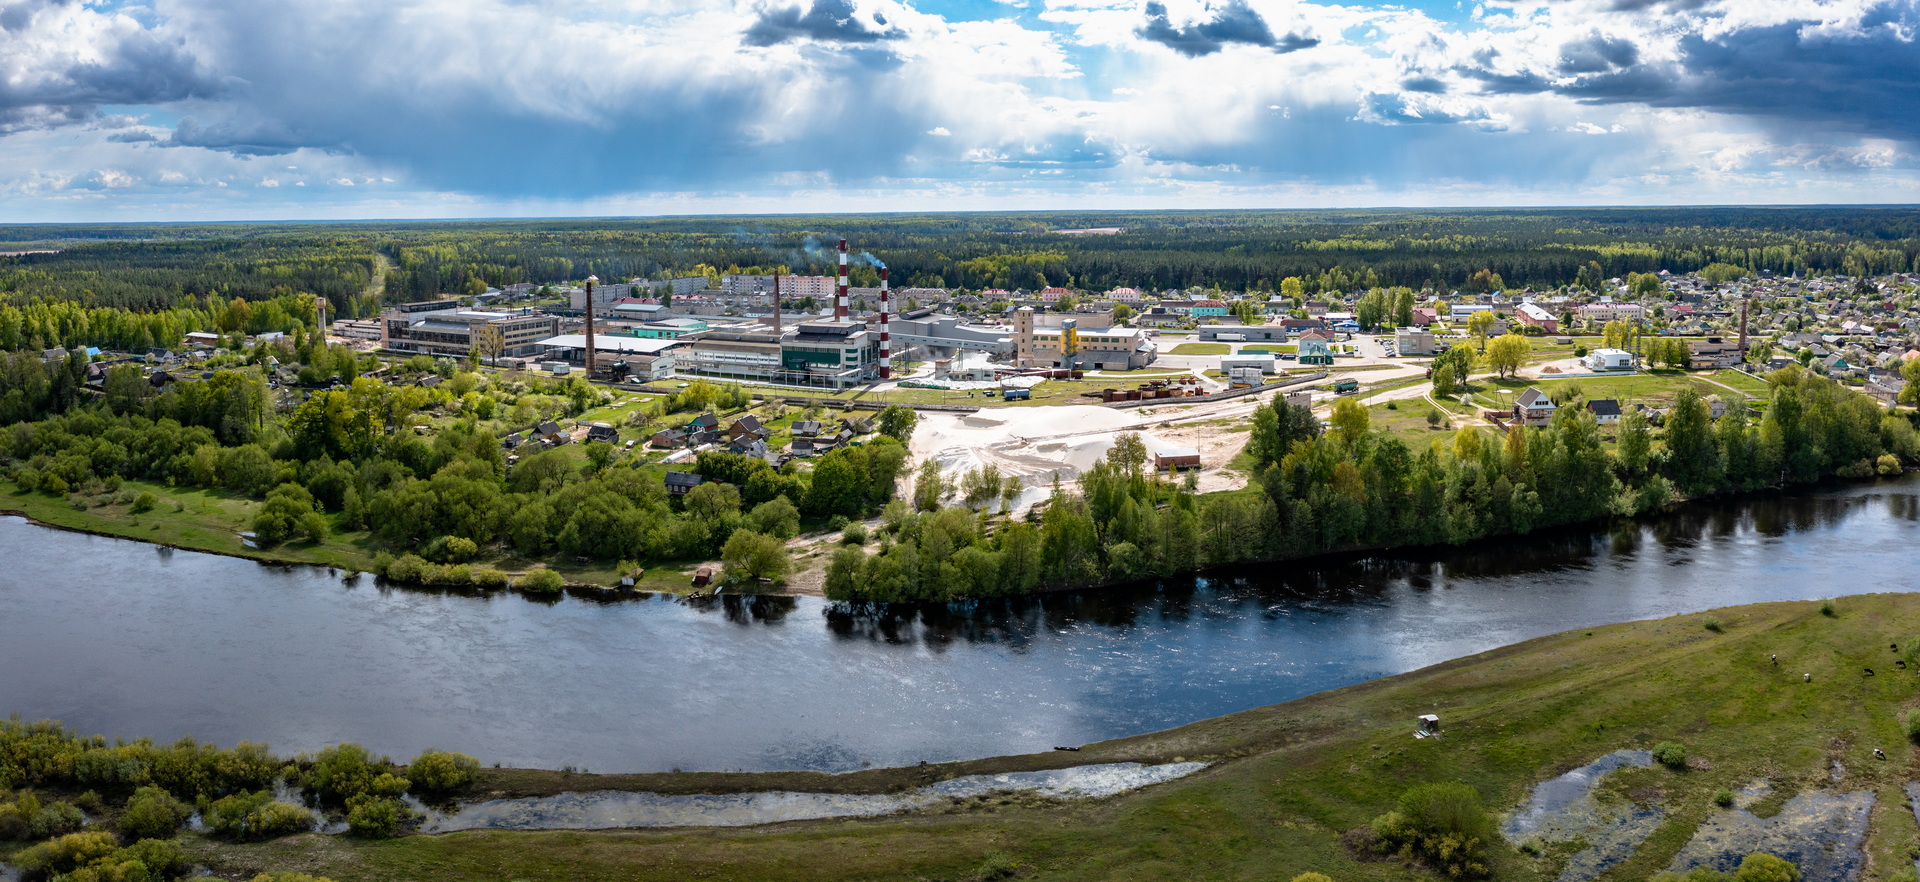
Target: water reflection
<point x="225" y="649"/>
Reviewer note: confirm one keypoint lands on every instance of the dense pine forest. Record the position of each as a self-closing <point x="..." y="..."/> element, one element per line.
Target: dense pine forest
<point x="160" y="267"/>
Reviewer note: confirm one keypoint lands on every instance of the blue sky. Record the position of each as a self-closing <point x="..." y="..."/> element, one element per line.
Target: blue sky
<point x="238" y="109"/>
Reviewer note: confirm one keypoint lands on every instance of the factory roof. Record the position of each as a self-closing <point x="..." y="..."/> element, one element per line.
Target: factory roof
<point x="610" y="343"/>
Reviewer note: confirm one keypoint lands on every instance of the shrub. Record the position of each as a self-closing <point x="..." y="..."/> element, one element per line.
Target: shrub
<point x="13" y="825"/>
<point x="375" y="817"/>
<point x="407" y="568"/>
<point x="1827" y="609"/>
<point x="345" y="771"/>
<point x="1887" y="464"/>
<point x="438" y="771"/>
<point x="837" y="522"/>
<point x="55" y="819"/>
<point x="1712" y="624"/>
<point x="541" y="580"/>
<point x="488" y="577"/>
<point x="255" y="816"/>
<point x="153" y="813"/>
<point x="66" y="854"/>
<point x="145" y="502"/>
<point x="854" y="534"/>
<point x="1671" y="754"/>
<point x="776" y="517"/>
<point x="1433" y="417"/>
<point x="1312" y="877"/>
<point x="289" y="877"/>
<point x="1910" y="723"/>
<point x="1723" y="798"/>
<point x="1441" y="825"/>
<point x="1763" y="867"/>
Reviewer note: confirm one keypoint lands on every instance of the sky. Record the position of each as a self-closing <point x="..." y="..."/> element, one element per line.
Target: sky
<point x="178" y="110"/>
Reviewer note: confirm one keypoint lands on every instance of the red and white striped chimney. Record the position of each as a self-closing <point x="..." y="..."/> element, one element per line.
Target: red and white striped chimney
<point x="886" y="326"/>
<point x="840" y="292"/>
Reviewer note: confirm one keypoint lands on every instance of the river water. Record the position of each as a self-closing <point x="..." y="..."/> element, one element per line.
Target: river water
<point x="128" y="639"/>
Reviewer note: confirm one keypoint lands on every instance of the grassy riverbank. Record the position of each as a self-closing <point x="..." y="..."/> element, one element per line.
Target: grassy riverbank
<point x="1290" y="778"/>
<point x="209" y="520"/>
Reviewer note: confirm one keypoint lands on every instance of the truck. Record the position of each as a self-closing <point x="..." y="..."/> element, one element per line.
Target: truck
<point x="1346" y="386"/>
<point x="1016" y="394"/>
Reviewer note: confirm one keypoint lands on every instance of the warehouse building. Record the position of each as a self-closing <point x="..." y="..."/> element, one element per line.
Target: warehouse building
<point x="442" y="327"/>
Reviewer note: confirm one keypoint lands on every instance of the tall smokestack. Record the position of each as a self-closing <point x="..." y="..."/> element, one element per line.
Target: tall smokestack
<point x="590" y="281"/>
<point x="776" y="304"/>
<point x="1743" y="327"/>
<point x="886" y="326"/>
<point x="840" y="292"/>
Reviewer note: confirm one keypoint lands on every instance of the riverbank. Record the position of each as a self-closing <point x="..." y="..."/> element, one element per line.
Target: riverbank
<point x="1289" y="780"/>
<point x="212" y="522"/>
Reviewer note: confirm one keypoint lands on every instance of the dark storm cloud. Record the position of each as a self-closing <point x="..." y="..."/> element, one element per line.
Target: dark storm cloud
<point x="51" y="82"/>
<point x="1235" y="23"/>
<point x="825" y="21"/>
<point x="1597" y="53"/>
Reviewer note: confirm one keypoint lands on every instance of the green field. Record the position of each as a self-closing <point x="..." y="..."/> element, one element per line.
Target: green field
<point x="1271" y="347"/>
<point x="1202" y="349"/>
<point x="1289" y="779"/>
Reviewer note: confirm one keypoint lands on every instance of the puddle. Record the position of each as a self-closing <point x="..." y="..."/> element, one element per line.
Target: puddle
<point x="1913" y="797"/>
<point x="1820" y="832"/>
<point x="606" y="809"/>
<point x="1563" y="809"/>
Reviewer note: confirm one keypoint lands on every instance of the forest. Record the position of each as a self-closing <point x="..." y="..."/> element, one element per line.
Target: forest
<point x="343" y="460"/>
<point x="1355" y="487"/>
<point x="356" y="266"/>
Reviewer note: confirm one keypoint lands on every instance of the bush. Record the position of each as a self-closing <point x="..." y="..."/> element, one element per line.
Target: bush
<point x="541" y="580"/>
<point x="854" y="534"/>
<point x="66" y="854"/>
<point x="345" y="771"/>
<point x="837" y="522"/>
<point x="289" y="877"/>
<point x="145" y="502"/>
<point x="255" y="816"/>
<point x="1827" y="609"/>
<point x="488" y="577"/>
<point x="1312" y="877"/>
<point x="1763" y="867"/>
<point x="776" y="517"/>
<point x="375" y="817"/>
<point x="1671" y="754"/>
<point x="153" y="813"/>
<point x="438" y="771"/>
<point x="1712" y="624"/>
<point x="1723" y="798"/>
<point x="56" y="819"/>
<point x="1910" y="723"/>
<point x="1441" y="825"/>
<point x="1887" y="464"/>
<point x="407" y="568"/>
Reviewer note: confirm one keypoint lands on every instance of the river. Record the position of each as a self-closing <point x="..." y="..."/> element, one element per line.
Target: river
<point x="127" y="639"/>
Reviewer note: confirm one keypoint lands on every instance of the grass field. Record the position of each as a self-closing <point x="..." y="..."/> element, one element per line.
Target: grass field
<point x="1271" y="347"/>
<point x="1289" y="779"/>
<point x="1202" y="349"/>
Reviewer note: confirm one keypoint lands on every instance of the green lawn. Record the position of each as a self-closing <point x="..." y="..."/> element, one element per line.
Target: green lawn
<point x="1290" y="779"/>
<point x="1202" y="349"/>
<point x="1271" y="347"/>
<point x="1744" y="382"/>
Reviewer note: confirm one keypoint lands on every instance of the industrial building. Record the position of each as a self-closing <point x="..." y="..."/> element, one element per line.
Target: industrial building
<point x="1095" y="347"/>
<point x="442" y="327"/>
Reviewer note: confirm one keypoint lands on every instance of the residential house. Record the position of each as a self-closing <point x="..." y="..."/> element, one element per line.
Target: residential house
<point x="549" y="432"/>
<point x="1713" y="352"/>
<point x="1606" y="411"/>
<point x="678" y="483"/>
<point x="1533" y="408"/>
<point x="602" y="432"/>
<point x="667" y="439"/>
<point x="1208" y="308"/>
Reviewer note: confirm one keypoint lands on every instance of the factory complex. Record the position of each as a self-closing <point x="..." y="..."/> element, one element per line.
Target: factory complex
<point x="642" y="339"/>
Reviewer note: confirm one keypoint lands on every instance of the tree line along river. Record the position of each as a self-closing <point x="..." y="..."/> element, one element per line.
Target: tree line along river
<point x="126" y="639"/>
